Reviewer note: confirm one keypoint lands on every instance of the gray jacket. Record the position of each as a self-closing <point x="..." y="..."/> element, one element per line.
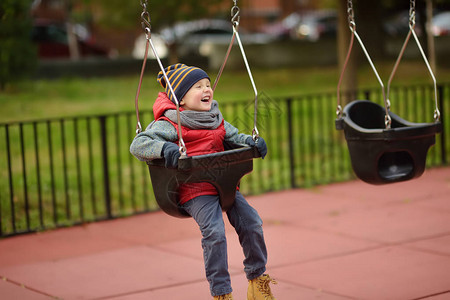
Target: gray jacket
<point x="148" y="144"/>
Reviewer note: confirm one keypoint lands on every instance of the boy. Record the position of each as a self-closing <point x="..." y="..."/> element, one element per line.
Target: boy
<point x="204" y="130"/>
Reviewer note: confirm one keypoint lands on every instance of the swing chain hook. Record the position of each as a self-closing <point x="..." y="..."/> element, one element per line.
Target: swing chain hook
<point x="387" y="121"/>
<point x="437" y="115"/>
<point x="412" y="13"/>
<point x="255" y="134"/>
<point x="145" y="18"/>
<point x="235" y="18"/>
<point x="351" y="16"/>
<point x="339" y="111"/>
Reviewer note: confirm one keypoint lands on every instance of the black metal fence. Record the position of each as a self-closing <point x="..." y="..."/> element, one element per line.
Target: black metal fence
<point x="62" y="172"/>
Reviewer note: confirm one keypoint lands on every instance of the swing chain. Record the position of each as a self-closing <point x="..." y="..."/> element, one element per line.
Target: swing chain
<point x="145" y="17"/>
<point x="412" y="13"/>
<point x="235" y="18"/>
<point x="351" y="16"/>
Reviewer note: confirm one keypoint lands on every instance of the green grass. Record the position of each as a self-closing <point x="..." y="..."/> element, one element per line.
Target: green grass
<point x="64" y="97"/>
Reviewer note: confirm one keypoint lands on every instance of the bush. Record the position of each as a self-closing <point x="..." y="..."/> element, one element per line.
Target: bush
<point x="18" y="55"/>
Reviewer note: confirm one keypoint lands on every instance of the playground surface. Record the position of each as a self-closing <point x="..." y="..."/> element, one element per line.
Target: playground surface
<point x="347" y="240"/>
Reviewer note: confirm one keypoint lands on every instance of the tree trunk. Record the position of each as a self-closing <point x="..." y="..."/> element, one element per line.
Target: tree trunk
<point x="430" y="37"/>
<point x="368" y="16"/>
<point x="72" y="42"/>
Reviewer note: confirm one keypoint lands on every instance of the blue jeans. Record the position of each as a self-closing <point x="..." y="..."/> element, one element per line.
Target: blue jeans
<point x="207" y="212"/>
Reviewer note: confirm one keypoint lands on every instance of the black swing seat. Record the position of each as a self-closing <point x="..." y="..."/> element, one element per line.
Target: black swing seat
<point x="379" y="155"/>
<point x="224" y="170"/>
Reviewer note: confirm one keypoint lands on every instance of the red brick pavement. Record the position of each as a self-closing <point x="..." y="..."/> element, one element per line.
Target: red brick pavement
<point x="341" y="241"/>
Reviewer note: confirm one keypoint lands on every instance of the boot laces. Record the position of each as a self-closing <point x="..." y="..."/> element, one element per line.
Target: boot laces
<point x="224" y="297"/>
<point x="263" y="285"/>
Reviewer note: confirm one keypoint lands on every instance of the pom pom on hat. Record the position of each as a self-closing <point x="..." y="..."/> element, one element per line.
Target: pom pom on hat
<point x="182" y="78"/>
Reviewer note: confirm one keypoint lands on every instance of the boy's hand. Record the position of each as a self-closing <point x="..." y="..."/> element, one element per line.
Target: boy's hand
<point x="171" y="154"/>
<point x="260" y="145"/>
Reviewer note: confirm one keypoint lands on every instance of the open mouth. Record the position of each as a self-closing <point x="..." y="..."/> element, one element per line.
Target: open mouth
<point x="206" y="100"/>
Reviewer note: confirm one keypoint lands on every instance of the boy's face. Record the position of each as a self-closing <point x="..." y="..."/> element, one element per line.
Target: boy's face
<point x="199" y="97"/>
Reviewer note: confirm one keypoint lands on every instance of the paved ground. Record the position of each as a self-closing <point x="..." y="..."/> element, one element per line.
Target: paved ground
<point x="342" y="241"/>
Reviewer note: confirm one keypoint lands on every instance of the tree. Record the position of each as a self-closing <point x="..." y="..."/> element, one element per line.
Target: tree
<point x="162" y="12"/>
<point x="368" y="17"/>
<point x="18" y="55"/>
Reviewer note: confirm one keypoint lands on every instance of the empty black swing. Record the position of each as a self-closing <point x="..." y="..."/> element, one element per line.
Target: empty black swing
<point x="383" y="147"/>
<point x="224" y="169"/>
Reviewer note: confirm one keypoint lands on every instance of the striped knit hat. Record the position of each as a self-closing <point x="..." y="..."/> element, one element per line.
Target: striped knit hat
<point x="182" y="78"/>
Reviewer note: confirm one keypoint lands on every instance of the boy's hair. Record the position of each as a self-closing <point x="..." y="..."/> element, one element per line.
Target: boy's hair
<point x="182" y="78"/>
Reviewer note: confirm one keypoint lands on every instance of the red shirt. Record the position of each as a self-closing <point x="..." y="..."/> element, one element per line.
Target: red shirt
<point x="197" y="141"/>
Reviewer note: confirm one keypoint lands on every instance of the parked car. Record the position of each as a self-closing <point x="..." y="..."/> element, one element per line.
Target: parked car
<point x="398" y="24"/>
<point x="284" y="29"/>
<point x="194" y="38"/>
<point x="316" y="25"/>
<point x="52" y="40"/>
<point x="441" y="24"/>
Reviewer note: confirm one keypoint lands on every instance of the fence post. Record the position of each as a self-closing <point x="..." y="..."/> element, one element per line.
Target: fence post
<point x="106" y="185"/>
<point x="291" y="145"/>
<point x="10" y="177"/>
<point x="367" y="94"/>
<point x="442" y="109"/>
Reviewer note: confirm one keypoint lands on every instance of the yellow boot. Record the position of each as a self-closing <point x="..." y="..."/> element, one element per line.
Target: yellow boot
<point x="259" y="289"/>
<point x="224" y="297"/>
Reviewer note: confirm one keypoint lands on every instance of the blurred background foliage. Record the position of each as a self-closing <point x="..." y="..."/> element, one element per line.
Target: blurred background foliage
<point x="113" y="13"/>
<point x="17" y="52"/>
<point x="115" y="25"/>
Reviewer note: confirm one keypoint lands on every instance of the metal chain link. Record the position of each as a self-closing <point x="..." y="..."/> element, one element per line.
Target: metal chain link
<point x="235" y="18"/>
<point x="351" y="15"/>
<point x="412" y="12"/>
<point x="145" y="17"/>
